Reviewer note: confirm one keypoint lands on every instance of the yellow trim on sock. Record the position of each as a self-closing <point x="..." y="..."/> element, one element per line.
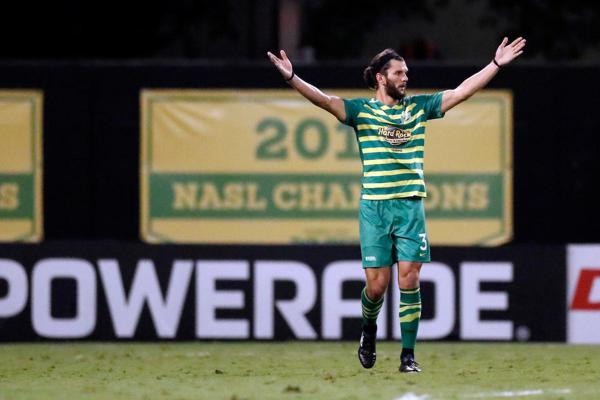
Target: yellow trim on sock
<point x="410" y="291"/>
<point x="406" y="308"/>
<point x="411" y="317"/>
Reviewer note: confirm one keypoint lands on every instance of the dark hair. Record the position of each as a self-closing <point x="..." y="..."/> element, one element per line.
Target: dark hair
<point x="379" y="64"/>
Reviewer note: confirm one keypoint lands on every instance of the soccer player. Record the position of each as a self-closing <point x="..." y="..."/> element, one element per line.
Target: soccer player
<point x="390" y="129"/>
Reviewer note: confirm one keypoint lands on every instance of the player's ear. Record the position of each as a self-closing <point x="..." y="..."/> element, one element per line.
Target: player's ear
<point x="379" y="78"/>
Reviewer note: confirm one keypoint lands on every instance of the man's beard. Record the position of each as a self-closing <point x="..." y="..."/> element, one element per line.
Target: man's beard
<point x="393" y="92"/>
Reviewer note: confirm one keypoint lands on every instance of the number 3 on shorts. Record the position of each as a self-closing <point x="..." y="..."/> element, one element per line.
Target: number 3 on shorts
<point x="423" y="237"/>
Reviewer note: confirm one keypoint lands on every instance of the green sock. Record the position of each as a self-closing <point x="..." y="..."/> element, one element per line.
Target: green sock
<point x="370" y="309"/>
<point x="410" y="314"/>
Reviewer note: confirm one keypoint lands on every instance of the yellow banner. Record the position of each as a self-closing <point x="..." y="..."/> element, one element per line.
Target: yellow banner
<point x="20" y="165"/>
<point x="268" y="167"/>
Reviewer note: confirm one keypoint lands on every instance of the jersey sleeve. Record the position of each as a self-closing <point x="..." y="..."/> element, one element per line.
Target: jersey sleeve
<point x="352" y="109"/>
<point x="432" y="104"/>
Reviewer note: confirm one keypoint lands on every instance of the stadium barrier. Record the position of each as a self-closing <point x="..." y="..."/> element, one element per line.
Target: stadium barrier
<point x="113" y="291"/>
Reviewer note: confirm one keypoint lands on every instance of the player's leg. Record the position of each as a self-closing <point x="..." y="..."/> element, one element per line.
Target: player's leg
<point x="377" y="281"/>
<point x="412" y="249"/>
<point x="410" y="312"/>
<point x="375" y="246"/>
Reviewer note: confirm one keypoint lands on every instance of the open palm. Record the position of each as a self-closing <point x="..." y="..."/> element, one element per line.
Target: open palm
<point x="506" y="53"/>
<point x="283" y="64"/>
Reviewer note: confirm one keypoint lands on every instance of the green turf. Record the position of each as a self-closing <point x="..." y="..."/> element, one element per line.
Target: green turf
<point x="295" y="370"/>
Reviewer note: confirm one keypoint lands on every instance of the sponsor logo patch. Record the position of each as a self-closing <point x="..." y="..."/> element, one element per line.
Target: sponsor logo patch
<point x="394" y="135"/>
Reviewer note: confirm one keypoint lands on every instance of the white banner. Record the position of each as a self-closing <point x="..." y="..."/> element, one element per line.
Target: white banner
<point x="583" y="294"/>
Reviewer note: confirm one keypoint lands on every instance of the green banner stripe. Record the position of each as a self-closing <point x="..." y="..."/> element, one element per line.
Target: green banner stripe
<point x="254" y="196"/>
<point x="16" y="196"/>
<point x="310" y="195"/>
<point x="464" y="195"/>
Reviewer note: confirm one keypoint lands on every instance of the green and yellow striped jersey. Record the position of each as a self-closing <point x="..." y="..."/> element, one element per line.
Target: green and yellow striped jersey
<point x="391" y="140"/>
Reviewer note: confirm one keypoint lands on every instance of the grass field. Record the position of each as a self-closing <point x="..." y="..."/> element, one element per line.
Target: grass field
<point x="295" y="370"/>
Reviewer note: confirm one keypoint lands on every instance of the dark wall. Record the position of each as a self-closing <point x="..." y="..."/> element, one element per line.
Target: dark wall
<point x="91" y="138"/>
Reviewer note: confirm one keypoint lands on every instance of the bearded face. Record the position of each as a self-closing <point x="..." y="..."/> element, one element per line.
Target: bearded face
<point x="396" y="93"/>
<point x="395" y="79"/>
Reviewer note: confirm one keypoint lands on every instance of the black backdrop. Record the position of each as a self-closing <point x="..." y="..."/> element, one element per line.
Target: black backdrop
<point x="91" y="137"/>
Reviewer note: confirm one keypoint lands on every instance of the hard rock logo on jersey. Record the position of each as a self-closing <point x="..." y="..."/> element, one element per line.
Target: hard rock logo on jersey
<point x="393" y="135"/>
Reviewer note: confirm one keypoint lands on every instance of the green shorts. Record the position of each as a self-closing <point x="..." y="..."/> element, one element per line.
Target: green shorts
<point x="393" y="230"/>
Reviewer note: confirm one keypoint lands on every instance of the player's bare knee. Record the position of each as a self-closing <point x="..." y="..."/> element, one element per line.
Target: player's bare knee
<point x="375" y="290"/>
<point x="409" y="279"/>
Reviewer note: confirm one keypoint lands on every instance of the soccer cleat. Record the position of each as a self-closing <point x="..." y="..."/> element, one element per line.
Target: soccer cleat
<point x="366" y="349"/>
<point x="408" y="364"/>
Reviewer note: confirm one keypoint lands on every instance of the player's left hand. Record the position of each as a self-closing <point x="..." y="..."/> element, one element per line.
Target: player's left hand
<point x="283" y="64"/>
<point x="506" y="53"/>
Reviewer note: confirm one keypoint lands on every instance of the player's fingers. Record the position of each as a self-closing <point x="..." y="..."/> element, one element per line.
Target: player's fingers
<point x="504" y="41"/>
<point x="516" y="41"/>
<point x="276" y="61"/>
<point x="518" y="47"/>
<point x="283" y="55"/>
<point x="518" y="53"/>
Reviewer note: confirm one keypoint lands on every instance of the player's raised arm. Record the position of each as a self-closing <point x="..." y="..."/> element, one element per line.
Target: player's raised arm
<point x="504" y="55"/>
<point x="333" y="104"/>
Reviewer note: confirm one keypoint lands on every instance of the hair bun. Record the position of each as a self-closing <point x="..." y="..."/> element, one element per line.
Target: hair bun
<point x="369" y="77"/>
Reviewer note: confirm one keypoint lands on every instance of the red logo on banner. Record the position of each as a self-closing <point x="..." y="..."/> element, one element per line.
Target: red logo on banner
<point x="583" y="291"/>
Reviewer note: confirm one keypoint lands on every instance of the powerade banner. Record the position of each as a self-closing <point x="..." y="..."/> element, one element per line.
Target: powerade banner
<point x="268" y="167"/>
<point x="583" y="296"/>
<point x="95" y="291"/>
<point x="20" y="165"/>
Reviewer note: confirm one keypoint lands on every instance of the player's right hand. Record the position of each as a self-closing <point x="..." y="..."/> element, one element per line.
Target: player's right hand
<point x="283" y="64"/>
<point x="508" y="52"/>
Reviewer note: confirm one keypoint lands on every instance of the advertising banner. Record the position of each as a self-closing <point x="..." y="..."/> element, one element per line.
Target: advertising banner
<point x="268" y="167"/>
<point x="20" y="166"/>
<point x="95" y="291"/>
<point x="583" y="296"/>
